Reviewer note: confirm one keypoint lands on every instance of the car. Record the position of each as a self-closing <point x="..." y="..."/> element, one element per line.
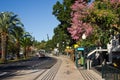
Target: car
<point x="40" y="54"/>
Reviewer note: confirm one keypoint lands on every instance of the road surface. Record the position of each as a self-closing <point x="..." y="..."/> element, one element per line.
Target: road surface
<point x="21" y="68"/>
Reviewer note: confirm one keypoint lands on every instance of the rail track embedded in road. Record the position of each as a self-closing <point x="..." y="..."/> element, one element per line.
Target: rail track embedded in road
<point x="52" y="72"/>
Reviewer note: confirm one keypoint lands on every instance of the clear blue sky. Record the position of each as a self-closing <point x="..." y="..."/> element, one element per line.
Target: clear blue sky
<point x="36" y="15"/>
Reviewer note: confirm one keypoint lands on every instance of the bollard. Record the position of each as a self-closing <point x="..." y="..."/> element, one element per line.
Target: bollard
<point x="88" y="64"/>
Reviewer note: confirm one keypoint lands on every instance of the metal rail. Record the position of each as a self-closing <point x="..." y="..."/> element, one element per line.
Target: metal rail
<point x="51" y="73"/>
<point x="96" y="51"/>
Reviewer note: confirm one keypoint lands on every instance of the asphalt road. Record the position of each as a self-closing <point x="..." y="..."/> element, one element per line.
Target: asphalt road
<point x="6" y="70"/>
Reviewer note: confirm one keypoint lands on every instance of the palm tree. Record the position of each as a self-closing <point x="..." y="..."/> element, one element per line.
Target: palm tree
<point x="26" y="42"/>
<point x="8" y="21"/>
<point x="17" y="34"/>
<point x="11" y="46"/>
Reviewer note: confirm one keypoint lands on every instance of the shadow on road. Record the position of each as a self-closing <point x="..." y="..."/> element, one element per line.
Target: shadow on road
<point x="35" y="63"/>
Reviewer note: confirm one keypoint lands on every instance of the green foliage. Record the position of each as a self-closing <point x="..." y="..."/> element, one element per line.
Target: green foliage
<point x="8" y="23"/>
<point x="26" y="39"/>
<point x="40" y="45"/>
<point x="49" y="45"/>
<point x="102" y="17"/>
<point x="62" y="12"/>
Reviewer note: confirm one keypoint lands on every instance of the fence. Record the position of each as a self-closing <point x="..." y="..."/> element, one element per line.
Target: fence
<point x="110" y="73"/>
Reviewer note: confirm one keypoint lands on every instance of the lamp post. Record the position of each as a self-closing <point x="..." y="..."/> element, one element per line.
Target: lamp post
<point x="57" y="49"/>
<point x="84" y="37"/>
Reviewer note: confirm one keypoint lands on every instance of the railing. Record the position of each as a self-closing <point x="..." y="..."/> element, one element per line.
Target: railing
<point x="92" y="52"/>
<point x="110" y="73"/>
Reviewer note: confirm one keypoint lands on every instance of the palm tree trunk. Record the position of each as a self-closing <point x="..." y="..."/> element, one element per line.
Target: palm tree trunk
<point x="18" y="50"/>
<point x="3" y="47"/>
<point x="25" y="52"/>
<point x="18" y="55"/>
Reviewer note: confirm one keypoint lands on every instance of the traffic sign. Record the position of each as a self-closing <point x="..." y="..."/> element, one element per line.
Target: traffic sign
<point x="80" y="49"/>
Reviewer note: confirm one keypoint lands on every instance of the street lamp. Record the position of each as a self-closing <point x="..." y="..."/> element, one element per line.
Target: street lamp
<point x="84" y="37"/>
<point x="57" y="49"/>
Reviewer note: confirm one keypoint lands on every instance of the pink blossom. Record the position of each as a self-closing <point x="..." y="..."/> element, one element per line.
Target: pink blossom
<point x="77" y="26"/>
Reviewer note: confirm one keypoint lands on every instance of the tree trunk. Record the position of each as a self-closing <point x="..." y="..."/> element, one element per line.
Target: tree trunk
<point x="3" y="47"/>
<point x="18" y="54"/>
<point x="18" y="50"/>
<point x="25" y="53"/>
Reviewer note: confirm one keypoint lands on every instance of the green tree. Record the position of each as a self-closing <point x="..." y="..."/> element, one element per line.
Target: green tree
<point x="8" y="21"/>
<point x="17" y="34"/>
<point x="62" y="12"/>
<point x="49" y="45"/>
<point x="11" y="46"/>
<point x="103" y="16"/>
<point x="42" y="44"/>
<point x="26" y="42"/>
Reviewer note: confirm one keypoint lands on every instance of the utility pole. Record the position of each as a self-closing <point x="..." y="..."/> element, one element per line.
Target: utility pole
<point x="48" y="37"/>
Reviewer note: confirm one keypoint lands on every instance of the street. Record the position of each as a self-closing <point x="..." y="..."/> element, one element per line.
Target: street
<point x="22" y="68"/>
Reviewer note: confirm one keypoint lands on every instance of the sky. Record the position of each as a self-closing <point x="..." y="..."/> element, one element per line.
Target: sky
<point x="36" y="15"/>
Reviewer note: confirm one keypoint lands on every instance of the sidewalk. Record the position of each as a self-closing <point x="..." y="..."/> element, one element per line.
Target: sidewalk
<point x="68" y="71"/>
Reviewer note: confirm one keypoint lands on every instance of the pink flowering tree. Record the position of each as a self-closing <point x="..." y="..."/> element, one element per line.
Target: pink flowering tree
<point x="94" y="20"/>
<point x="79" y="26"/>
